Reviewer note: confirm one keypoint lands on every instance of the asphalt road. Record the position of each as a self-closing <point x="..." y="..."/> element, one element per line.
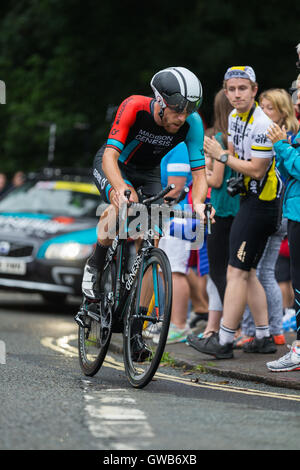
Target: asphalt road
<point x="47" y="403"/>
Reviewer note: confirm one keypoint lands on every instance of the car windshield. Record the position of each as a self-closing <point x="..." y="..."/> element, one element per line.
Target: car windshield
<point x="59" y="198"/>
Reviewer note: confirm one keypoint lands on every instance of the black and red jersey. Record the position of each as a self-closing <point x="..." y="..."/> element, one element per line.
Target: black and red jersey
<point x="142" y="143"/>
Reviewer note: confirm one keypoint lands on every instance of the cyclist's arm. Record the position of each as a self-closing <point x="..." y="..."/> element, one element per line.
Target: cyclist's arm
<point x="125" y="118"/>
<point x="194" y="143"/>
<point x="112" y="172"/>
<point x="199" y="190"/>
<point x="111" y="169"/>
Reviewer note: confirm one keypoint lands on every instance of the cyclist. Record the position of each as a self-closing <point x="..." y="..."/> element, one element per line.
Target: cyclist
<point x="144" y="130"/>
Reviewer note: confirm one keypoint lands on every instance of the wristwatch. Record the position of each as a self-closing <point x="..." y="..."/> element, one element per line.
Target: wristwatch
<point x="223" y="158"/>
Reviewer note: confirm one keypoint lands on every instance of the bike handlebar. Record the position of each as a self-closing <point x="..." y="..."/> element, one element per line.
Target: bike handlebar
<point x="175" y="213"/>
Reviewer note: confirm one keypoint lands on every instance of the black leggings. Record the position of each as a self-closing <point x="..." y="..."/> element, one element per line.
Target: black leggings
<point x="218" y="252"/>
<point x="294" y="244"/>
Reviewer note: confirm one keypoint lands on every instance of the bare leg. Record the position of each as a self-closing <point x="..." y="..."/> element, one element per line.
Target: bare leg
<point x="199" y="296"/>
<point x="235" y="297"/>
<point x="257" y="300"/>
<point x="213" y="323"/>
<point x="287" y="294"/>
<point x="181" y="295"/>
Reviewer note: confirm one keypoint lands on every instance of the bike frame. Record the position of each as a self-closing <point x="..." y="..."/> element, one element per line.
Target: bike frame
<point x="122" y="287"/>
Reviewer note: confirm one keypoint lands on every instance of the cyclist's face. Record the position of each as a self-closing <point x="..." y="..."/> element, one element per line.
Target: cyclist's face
<point x="270" y="111"/>
<point x="240" y="93"/>
<point x="173" y="121"/>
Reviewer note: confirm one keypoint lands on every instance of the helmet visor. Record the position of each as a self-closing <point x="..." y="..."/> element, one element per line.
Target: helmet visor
<point x="179" y="104"/>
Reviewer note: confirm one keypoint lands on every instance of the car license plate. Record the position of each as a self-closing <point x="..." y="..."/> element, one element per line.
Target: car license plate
<point x="12" y="266"/>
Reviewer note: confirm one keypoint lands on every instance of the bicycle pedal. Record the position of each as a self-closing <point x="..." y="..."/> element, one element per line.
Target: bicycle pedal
<point x="79" y="320"/>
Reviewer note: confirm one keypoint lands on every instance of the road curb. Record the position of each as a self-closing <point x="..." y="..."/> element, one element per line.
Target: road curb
<point x="267" y="378"/>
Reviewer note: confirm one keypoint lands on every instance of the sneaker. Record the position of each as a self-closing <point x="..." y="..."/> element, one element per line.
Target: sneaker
<point x="289" y="362"/>
<point x="210" y="345"/>
<point x="152" y="331"/>
<point x="139" y="349"/>
<point x="176" y="335"/>
<point x="279" y="339"/>
<point x="90" y="281"/>
<point x="264" y="345"/>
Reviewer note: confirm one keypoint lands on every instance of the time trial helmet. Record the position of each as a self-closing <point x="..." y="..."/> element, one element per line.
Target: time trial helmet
<point x="178" y="88"/>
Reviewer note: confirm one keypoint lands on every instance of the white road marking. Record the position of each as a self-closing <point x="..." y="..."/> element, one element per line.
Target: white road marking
<point x="112" y="417"/>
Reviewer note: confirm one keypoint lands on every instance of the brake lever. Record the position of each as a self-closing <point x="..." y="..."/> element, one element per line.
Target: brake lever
<point x="182" y="194"/>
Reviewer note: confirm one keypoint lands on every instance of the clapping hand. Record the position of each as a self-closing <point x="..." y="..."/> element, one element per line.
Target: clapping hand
<point x="275" y="133"/>
<point x="212" y="148"/>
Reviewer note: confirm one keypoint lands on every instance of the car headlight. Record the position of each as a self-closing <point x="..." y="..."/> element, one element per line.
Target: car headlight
<point x="68" y="251"/>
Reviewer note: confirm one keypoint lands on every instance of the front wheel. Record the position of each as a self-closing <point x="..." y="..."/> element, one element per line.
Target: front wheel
<point x="94" y="338"/>
<point x="147" y="319"/>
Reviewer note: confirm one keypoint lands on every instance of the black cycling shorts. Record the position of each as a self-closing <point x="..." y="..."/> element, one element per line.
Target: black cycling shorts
<point x="149" y="180"/>
<point x="255" y="221"/>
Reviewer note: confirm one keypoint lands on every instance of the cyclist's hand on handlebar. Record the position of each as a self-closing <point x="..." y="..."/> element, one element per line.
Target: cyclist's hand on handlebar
<point x="118" y="197"/>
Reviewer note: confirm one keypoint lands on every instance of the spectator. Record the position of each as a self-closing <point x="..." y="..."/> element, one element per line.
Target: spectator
<point x="278" y="106"/>
<point x="298" y="52"/>
<point x="226" y="207"/>
<point x="296" y="94"/>
<point x="289" y="164"/>
<point x="260" y="188"/>
<point x="297" y="104"/>
<point x="197" y="279"/>
<point x="18" y="179"/>
<point x="175" y="168"/>
<point x="3" y="184"/>
<point x="283" y="274"/>
<point x="215" y="309"/>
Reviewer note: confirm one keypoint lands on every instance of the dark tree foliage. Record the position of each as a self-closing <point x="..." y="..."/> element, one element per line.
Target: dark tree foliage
<point x="69" y="62"/>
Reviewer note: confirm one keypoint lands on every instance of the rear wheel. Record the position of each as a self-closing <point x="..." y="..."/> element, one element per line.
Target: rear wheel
<point x="147" y="319"/>
<point x="94" y="338"/>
